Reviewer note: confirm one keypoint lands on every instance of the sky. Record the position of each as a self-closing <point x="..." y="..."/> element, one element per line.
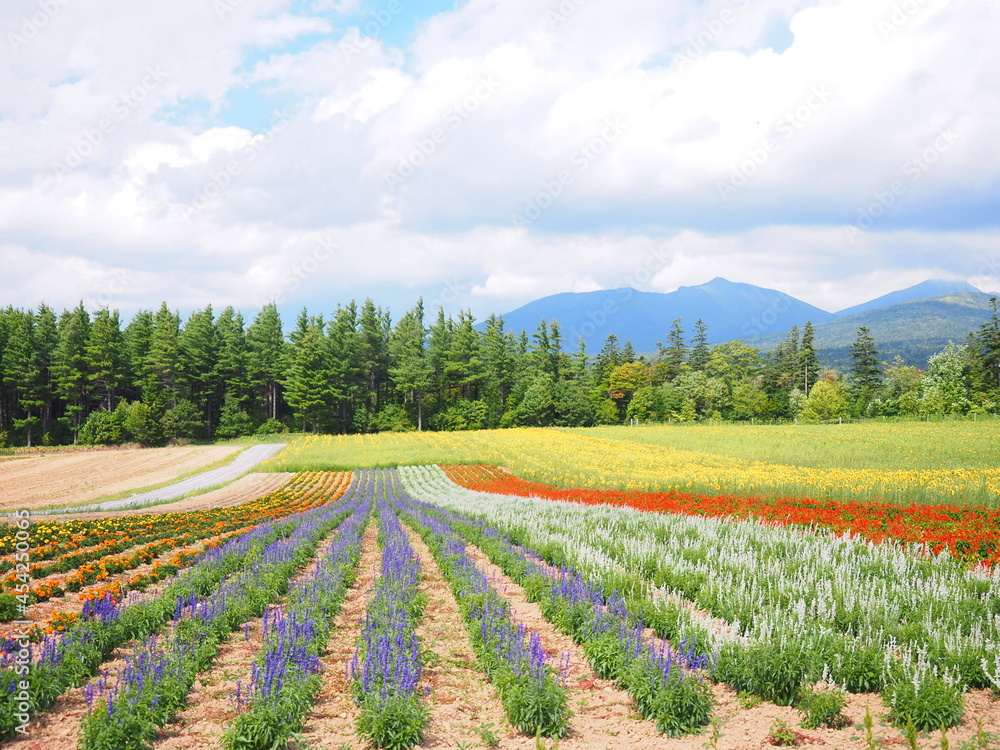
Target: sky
<point x="484" y="153"/>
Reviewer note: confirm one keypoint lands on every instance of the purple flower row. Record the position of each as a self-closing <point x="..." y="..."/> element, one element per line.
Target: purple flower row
<point x="284" y="677"/>
<point x="530" y="687"/>
<point x="158" y="677"/>
<point x="387" y="666"/>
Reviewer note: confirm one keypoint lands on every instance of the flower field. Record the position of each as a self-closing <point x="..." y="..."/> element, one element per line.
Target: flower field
<point x="129" y="554"/>
<point x="562" y="618"/>
<point x="972" y="534"/>
<point x="935" y="464"/>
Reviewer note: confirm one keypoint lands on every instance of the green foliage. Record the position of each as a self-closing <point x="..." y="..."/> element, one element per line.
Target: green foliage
<point x="392" y="418"/>
<point x="271" y="427"/>
<point x="233" y="421"/>
<point x="944" y="389"/>
<point x="927" y="700"/>
<point x="487" y="735"/>
<point x="181" y="421"/>
<point x="536" y="409"/>
<point x="773" y="670"/>
<point x="781" y="734"/>
<point x="680" y="703"/>
<point x="462" y="415"/>
<point x="141" y="424"/>
<point x="822" y="706"/>
<point x="8" y="607"/>
<point x="103" y="428"/>
<point x="396" y="724"/>
<point x="358" y="372"/>
<point x="826" y="402"/>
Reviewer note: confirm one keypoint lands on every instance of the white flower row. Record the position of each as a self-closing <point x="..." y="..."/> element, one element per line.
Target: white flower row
<point x="757" y="579"/>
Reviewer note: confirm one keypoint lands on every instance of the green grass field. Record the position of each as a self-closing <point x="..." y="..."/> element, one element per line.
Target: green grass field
<point x="867" y="445"/>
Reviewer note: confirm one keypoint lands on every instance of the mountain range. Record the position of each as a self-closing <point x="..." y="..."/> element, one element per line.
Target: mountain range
<point x="914" y="322"/>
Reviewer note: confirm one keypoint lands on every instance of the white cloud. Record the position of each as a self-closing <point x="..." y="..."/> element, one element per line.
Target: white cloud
<point x="510" y="98"/>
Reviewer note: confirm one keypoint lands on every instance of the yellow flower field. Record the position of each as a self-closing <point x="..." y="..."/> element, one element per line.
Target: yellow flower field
<point x="646" y="459"/>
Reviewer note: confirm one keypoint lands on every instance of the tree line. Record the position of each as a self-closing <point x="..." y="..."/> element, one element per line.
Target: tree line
<point x="82" y="377"/>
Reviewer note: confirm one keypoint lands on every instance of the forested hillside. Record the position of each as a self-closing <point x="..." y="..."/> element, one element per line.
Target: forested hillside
<point x="85" y="377"/>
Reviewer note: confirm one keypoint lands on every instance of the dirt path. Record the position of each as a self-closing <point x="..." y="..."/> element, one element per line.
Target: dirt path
<point x="461" y="700"/>
<point x="75" y="477"/>
<point x="333" y="717"/>
<point x="211" y="705"/>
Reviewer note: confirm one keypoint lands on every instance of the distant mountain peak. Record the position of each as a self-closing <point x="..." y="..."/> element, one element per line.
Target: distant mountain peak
<point x="923" y="290"/>
<point x="730" y="310"/>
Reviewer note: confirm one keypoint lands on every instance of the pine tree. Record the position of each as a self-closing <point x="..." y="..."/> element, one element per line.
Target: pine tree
<point x="138" y="343"/>
<point x="465" y="367"/>
<point x="71" y="367"/>
<point x="559" y="363"/>
<point x="162" y="367"/>
<point x="198" y="355"/>
<point x="607" y="359"/>
<point x="21" y="374"/>
<point x="866" y="370"/>
<point x="46" y="341"/>
<point x="808" y="359"/>
<point x="628" y="353"/>
<point x="987" y="347"/>
<point x="308" y="387"/>
<point x="541" y="353"/>
<point x="106" y="351"/>
<point x="673" y="354"/>
<point x="781" y="372"/>
<point x="346" y="365"/>
<point x="579" y="360"/>
<point x="266" y="358"/>
<point x="229" y="371"/>
<point x="498" y="363"/>
<point x="409" y="367"/>
<point x="373" y="332"/>
<point x="439" y="346"/>
<point x="699" y="350"/>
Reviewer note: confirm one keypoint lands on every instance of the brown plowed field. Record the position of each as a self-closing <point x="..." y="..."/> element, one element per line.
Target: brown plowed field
<point x="81" y="476"/>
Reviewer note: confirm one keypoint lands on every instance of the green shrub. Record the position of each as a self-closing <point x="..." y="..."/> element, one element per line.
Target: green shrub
<point x="822" y="706"/>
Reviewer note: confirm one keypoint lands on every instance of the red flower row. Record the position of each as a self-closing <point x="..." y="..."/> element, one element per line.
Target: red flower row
<point x="970" y="533"/>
